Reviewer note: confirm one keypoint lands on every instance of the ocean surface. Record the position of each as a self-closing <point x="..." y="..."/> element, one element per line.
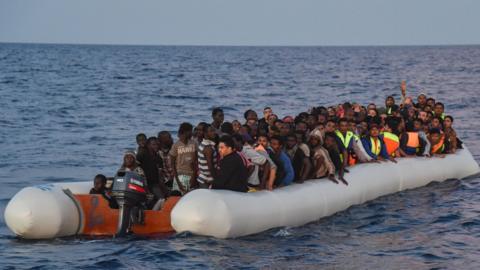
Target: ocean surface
<point x="68" y="112"/>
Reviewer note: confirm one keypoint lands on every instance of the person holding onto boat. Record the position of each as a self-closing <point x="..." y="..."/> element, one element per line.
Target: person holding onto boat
<point x="300" y="161"/>
<point x="232" y="173"/>
<point x="285" y="173"/>
<point x="330" y="144"/>
<point x="450" y="135"/>
<point x="184" y="160"/>
<point x="375" y="146"/>
<point x="100" y="188"/>
<point x="345" y="140"/>
<point x="321" y="161"/>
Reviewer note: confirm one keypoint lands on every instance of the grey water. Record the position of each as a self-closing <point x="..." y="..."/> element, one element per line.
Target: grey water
<point x="68" y="112"/>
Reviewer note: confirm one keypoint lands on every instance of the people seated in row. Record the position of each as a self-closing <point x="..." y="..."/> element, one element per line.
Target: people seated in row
<point x="273" y="152"/>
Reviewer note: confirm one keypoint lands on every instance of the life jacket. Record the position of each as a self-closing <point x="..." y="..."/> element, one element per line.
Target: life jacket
<point x="376" y="146"/>
<point x="413" y="140"/>
<point x="392" y="142"/>
<point x="439" y="147"/>
<point x="389" y="110"/>
<point x="442" y="116"/>
<point x="346" y="142"/>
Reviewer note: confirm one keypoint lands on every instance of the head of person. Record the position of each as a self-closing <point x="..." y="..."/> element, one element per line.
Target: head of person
<point x="417" y="125"/>
<point x="263" y="140"/>
<point x="422" y="99"/>
<point x="185" y="131"/>
<point x="217" y="115"/>
<point x="390" y="101"/>
<point x="141" y="140"/>
<point x="238" y="142"/>
<point x="198" y="131"/>
<point x="99" y="182"/>
<point x="422" y="115"/>
<point x="209" y="132"/>
<point x="332" y="112"/>
<point x="362" y="128"/>
<point x="245" y="129"/>
<point x="343" y="125"/>
<point x="431" y="102"/>
<point x="436" y="123"/>
<point x="301" y="137"/>
<point x="411" y="112"/>
<point x="276" y="143"/>
<point x="301" y="127"/>
<point x="250" y="117"/>
<point x="372" y="106"/>
<point x="152" y="144"/>
<point x="434" y="135"/>
<point x="372" y="112"/>
<point x="331" y="126"/>
<point x="352" y="126"/>
<point x="314" y="140"/>
<point x="271" y="119"/>
<point x="227" y="128"/>
<point x="291" y="141"/>
<point x="439" y="108"/>
<point x="330" y="140"/>
<point x="267" y="111"/>
<point x="408" y="101"/>
<point x="226" y="145"/>
<point x="448" y="121"/>
<point x="321" y="119"/>
<point x="311" y="121"/>
<point x="129" y="160"/>
<point x="373" y="130"/>
<point x="165" y="140"/>
<point x="285" y="129"/>
<point x="236" y="126"/>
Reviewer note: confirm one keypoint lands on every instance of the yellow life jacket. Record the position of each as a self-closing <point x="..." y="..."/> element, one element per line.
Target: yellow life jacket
<point x="345" y="140"/>
<point x="376" y="146"/>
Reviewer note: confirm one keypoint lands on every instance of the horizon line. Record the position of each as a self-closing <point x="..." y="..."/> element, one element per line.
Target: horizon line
<point x="240" y="45"/>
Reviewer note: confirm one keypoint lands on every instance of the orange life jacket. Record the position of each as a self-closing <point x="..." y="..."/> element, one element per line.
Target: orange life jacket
<point x="413" y="140"/>
<point x="392" y="143"/>
<point x="440" y="146"/>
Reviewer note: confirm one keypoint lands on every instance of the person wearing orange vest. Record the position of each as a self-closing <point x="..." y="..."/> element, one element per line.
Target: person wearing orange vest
<point x="375" y="146"/>
<point x="391" y="140"/>
<point x="414" y="141"/>
<point x="437" y="140"/>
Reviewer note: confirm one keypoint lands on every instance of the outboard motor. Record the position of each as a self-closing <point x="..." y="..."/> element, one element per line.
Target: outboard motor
<point x="129" y="190"/>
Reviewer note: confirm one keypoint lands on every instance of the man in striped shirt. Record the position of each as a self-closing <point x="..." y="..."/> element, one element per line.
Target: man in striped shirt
<point x="207" y="157"/>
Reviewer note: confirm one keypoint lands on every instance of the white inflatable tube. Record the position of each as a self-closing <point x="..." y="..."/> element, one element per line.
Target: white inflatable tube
<point x="45" y="211"/>
<point x="225" y="214"/>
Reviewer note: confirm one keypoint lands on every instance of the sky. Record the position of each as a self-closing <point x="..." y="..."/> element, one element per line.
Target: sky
<point x="242" y="22"/>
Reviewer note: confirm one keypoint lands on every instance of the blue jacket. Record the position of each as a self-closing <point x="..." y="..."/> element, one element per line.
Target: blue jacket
<point x="287" y="166"/>
<point x="368" y="147"/>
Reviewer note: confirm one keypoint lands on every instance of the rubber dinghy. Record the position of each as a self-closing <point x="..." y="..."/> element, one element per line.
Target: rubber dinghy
<point x="226" y="214"/>
<point x="66" y="209"/>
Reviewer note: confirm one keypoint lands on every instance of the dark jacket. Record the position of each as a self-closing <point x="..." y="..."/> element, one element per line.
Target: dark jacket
<point x="232" y="175"/>
<point x="150" y="163"/>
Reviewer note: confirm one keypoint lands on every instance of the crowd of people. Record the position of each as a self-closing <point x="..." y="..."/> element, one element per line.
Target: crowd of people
<point x="271" y="152"/>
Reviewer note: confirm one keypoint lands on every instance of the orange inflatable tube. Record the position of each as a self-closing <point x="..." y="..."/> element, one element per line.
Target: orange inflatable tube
<point x="98" y="219"/>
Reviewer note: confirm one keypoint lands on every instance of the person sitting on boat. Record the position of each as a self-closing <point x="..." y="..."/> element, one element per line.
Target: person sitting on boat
<point x="232" y="173"/>
<point x="390" y="138"/>
<point x="285" y="173"/>
<point x="414" y="141"/>
<point x="267" y="176"/>
<point x="345" y="140"/>
<point x="375" y="146"/>
<point x="300" y="162"/>
<point x="450" y="135"/>
<point x="330" y="144"/>
<point x="437" y="140"/>
<point x="130" y="164"/>
<point x="389" y="103"/>
<point x="99" y="188"/>
<point x="439" y="110"/>
<point x="321" y="161"/>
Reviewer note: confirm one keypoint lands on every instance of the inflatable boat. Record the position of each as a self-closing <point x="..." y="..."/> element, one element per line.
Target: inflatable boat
<point x="66" y="209"/>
